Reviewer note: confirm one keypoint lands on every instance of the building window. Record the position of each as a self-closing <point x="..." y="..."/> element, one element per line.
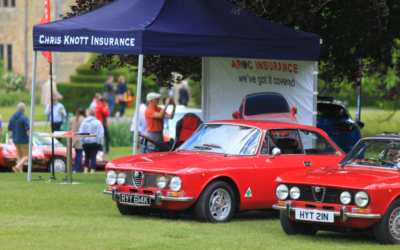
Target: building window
<point x="9" y="57"/>
<point x="12" y="3"/>
<point x="5" y="3"/>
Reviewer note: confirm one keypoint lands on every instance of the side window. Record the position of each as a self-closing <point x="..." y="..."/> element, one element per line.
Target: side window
<point x="316" y="144"/>
<point x="286" y="140"/>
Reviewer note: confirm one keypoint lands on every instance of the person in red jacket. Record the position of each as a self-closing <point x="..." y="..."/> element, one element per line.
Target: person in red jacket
<point x="102" y="112"/>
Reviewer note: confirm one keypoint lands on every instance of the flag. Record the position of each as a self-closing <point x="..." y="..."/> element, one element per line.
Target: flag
<point x="46" y="19"/>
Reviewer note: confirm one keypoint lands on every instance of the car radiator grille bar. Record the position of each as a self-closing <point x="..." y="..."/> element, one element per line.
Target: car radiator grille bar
<point x="150" y="180"/>
<point x="325" y="194"/>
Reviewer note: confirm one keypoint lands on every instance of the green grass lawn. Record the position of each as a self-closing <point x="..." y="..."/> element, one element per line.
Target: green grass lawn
<point x="40" y="215"/>
<point x="376" y="122"/>
<point x="7" y="112"/>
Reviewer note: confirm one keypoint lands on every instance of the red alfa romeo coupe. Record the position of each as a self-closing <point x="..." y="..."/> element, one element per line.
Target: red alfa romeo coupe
<point x="360" y="194"/>
<point x="226" y="166"/>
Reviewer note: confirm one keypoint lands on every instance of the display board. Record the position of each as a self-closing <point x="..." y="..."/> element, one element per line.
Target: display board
<point x="277" y="90"/>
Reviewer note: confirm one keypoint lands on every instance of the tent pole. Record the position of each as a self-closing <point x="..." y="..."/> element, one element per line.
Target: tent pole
<point x="315" y="94"/>
<point x="33" y="88"/>
<point x="137" y="111"/>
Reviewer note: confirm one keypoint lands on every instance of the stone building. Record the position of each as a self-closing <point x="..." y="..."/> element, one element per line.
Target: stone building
<point x="12" y="40"/>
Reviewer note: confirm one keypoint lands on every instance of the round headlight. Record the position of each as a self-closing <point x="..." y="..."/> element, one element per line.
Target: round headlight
<point x="294" y="193"/>
<point x="175" y="183"/>
<point x="121" y="178"/>
<point x="361" y="199"/>
<point x="162" y="181"/>
<point x="111" y="177"/>
<point x="345" y="197"/>
<point x="282" y="192"/>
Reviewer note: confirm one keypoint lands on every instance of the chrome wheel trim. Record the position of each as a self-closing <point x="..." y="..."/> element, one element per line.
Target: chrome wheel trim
<point x="59" y="166"/>
<point x="220" y="204"/>
<point x="394" y="223"/>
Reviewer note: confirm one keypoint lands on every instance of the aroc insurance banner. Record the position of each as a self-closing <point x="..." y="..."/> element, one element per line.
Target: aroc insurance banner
<point x="277" y="90"/>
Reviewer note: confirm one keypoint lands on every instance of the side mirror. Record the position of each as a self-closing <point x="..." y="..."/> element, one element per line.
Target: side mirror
<point x="360" y="124"/>
<point x="276" y="152"/>
<point x="236" y="115"/>
<point x="294" y="111"/>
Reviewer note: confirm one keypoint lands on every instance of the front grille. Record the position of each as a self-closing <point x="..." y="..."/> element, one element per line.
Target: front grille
<point x="143" y="180"/>
<point x="325" y="194"/>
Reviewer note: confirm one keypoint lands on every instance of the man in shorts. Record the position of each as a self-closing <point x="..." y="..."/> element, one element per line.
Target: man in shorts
<point x="19" y="125"/>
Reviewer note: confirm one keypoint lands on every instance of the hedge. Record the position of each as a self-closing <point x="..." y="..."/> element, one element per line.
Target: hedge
<point x="80" y="95"/>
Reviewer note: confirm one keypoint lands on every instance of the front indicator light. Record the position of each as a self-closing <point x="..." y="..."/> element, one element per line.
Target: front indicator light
<point x="175" y="194"/>
<point x="282" y="192"/>
<point x="110" y="188"/>
<point x="361" y="211"/>
<point x="281" y="203"/>
<point x="361" y="199"/>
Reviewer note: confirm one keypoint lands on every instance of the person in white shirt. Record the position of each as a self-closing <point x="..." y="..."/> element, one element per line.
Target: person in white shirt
<point x="58" y="113"/>
<point x="91" y="145"/>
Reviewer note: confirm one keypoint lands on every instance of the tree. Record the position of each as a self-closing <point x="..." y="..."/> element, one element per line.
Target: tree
<point x="350" y="30"/>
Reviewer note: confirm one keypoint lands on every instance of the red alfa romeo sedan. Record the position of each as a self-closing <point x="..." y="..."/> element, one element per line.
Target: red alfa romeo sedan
<point x="360" y="194"/>
<point x="226" y="166"/>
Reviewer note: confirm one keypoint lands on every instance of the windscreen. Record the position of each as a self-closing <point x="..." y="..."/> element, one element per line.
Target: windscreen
<point x="374" y="153"/>
<point x="331" y="111"/>
<point x="224" y="139"/>
<point x="265" y="103"/>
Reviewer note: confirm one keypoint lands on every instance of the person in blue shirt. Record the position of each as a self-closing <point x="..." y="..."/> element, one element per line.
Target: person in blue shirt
<point x="19" y="125"/>
<point x="58" y="113"/>
<point x="121" y="89"/>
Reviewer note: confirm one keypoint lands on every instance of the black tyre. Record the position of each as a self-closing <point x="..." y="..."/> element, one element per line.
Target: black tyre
<point x="387" y="229"/>
<point x="126" y="210"/>
<point x="60" y="164"/>
<point x="293" y="228"/>
<point x="216" y="203"/>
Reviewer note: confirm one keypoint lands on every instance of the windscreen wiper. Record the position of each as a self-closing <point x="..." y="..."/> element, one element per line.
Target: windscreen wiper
<point x="203" y="147"/>
<point x="215" y="146"/>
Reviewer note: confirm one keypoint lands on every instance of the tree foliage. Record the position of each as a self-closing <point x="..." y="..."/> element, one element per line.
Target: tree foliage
<point x="350" y="30"/>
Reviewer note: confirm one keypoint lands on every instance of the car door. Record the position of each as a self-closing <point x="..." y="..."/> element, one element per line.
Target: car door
<point x="319" y="150"/>
<point x="269" y="167"/>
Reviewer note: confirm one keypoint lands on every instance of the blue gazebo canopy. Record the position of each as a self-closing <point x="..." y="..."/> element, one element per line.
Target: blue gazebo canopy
<point x="204" y="28"/>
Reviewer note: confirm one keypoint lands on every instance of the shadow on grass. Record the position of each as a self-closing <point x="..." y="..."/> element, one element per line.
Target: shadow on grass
<point x="349" y="236"/>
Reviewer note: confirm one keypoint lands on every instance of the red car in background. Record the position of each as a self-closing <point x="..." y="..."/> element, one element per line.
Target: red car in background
<point x="9" y="157"/>
<point x="269" y="106"/>
<point x="60" y="154"/>
<point x="225" y="166"/>
<point x="360" y="194"/>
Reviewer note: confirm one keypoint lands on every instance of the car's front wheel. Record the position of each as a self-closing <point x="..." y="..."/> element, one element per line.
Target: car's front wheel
<point x="60" y="164"/>
<point x="216" y="203"/>
<point x="293" y="228"/>
<point x="387" y="229"/>
<point x="126" y="210"/>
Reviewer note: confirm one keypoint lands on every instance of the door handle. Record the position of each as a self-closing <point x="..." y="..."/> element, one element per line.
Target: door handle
<point x="307" y="163"/>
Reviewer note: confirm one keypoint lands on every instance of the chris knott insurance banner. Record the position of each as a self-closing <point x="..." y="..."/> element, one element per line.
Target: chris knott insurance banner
<point x="276" y="90"/>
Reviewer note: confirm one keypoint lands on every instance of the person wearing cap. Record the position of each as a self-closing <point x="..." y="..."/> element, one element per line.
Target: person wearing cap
<point x="58" y="113"/>
<point x="155" y="116"/>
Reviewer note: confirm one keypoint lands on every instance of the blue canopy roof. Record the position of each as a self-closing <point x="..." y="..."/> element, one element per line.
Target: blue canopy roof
<point x="175" y="28"/>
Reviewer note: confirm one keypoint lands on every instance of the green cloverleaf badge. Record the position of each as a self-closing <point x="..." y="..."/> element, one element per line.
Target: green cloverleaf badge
<point x="248" y="193"/>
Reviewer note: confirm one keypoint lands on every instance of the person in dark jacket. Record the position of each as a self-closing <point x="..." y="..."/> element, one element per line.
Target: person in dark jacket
<point x="183" y="96"/>
<point x="19" y="125"/>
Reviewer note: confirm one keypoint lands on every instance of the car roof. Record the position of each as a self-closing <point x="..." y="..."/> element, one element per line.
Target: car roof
<point x="262" y="124"/>
<point x="385" y="135"/>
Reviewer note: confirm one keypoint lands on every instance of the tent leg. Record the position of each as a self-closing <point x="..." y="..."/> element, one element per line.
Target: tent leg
<point x="315" y="94"/>
<point x="33" y="88"/>
<point x="137" y="111"/>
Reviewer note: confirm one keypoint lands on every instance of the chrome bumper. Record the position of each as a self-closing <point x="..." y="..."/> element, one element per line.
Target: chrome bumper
<point x="158" y="198"/>
<point x="343" y="213"/>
